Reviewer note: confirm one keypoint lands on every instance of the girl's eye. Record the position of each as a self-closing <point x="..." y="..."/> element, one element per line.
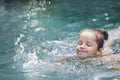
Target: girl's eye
<point x="80" y="43"/>
<point x="89" y="44"/>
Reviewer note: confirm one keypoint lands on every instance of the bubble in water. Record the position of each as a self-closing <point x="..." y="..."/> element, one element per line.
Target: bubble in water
<point x="19" y="38"/>
<point x="33" y="23"/>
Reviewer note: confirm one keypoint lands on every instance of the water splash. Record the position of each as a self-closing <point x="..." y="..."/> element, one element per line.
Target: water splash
<point x="37" y="57"/>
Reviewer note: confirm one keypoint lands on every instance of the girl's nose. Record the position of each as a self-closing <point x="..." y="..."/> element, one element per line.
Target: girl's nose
<point x="82" y="46"/>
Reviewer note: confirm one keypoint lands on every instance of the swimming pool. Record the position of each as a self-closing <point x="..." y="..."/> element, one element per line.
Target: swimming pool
<point x="35" y="33"/>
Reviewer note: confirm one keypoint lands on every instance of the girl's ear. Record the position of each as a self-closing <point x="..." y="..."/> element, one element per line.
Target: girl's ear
<point x="99" y="52"/>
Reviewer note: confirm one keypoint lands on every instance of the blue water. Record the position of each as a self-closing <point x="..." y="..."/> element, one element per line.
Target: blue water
<point x="35" y="33"/>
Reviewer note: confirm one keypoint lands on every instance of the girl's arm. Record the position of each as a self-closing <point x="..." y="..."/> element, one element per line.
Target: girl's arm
<point x="115" y="58"/>
<point x="68" y="58"/>
<point x="115" y="67"/>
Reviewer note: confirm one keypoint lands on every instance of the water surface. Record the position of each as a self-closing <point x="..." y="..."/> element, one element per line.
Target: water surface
<point x="35" y="33"/>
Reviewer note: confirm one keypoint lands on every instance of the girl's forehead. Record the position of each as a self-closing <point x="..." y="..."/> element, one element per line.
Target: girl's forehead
<point x="90" y="34"/>
<point x="87" y="36"/>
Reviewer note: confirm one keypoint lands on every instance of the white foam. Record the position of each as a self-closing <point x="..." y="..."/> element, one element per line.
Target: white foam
<point x="31" y="61"/>
<point x="39" y="29"/>
<point x="98" y="76"/>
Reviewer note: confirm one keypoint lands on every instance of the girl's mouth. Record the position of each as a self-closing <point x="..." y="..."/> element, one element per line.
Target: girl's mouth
<point x="82" y="51"/>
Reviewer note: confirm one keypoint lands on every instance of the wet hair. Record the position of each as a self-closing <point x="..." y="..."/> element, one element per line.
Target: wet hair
<point x="101" y="36"/>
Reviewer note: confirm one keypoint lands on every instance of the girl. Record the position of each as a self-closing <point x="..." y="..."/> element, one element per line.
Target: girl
<point x="90" y="44"/>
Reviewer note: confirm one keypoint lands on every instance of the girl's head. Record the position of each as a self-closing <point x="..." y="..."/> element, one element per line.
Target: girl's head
<point x="90" y="42"/>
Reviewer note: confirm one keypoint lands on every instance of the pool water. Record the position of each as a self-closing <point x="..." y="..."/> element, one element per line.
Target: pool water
<point x="36" y="33"/>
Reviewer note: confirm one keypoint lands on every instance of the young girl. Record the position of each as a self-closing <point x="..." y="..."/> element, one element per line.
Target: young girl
<point x="90" y="44"/>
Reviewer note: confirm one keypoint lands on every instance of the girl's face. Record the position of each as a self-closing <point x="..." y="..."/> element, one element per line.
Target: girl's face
<point x="87" y="45"/>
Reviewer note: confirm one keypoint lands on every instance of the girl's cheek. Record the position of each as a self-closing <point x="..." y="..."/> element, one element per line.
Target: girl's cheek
<point x="77" y="47"/>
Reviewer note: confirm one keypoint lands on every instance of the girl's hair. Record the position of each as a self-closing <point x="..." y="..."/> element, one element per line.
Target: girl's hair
<point x="101" y="35"/>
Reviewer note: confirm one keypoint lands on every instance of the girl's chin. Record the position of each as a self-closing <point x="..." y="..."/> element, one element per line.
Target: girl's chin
<point x="82" y="56"/>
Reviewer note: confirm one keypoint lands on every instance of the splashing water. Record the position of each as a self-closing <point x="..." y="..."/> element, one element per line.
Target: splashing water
<point x="43" y="31"/>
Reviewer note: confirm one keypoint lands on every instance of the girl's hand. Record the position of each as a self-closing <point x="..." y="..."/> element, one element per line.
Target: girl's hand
<point x="115" y="67"/>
